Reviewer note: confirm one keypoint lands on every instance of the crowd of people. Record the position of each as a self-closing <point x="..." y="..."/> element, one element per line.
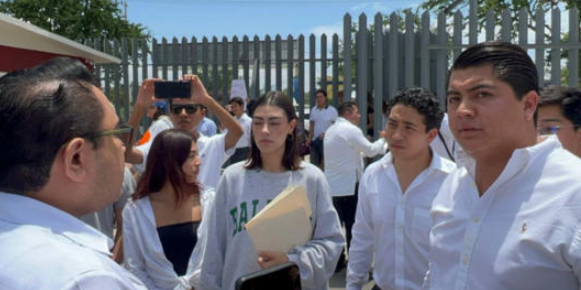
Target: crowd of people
<point x="481" y="195"/>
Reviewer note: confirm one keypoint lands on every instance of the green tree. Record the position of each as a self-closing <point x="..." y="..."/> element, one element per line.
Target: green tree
<point x="79" y="20"/>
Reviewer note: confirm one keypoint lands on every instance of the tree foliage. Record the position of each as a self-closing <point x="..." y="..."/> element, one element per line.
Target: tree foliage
<point x="79" y="20"/>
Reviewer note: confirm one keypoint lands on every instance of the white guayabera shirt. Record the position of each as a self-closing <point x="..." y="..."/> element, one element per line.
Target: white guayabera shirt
<point x="524" y="232"/>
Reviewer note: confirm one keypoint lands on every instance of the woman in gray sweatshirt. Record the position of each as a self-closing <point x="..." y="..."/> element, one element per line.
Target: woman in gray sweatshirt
<point x="246" y="187"/>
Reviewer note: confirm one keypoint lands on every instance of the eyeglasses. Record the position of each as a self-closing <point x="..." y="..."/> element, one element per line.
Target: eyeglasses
<point x="123" y="132"/>
<point x="554" y="129"/>
<point x="190" y="108"/>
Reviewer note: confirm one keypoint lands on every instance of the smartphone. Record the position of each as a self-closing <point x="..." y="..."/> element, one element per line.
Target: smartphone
<point x="172" y="90"/>
<point x="281" y="277"/>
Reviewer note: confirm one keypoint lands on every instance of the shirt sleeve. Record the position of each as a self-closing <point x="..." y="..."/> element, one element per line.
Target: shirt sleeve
<point x="215" y="247"/>
<point x="361" y="250"/>
<point x="97" y="280"/>
<point x="318" y="257"/>
<point x="133" y="258"/>
<point x="361" y="143"/>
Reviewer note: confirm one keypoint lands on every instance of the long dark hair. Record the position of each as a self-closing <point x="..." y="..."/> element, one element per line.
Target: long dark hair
<point x="168" y="152"/>
<point x="291" y="158"/>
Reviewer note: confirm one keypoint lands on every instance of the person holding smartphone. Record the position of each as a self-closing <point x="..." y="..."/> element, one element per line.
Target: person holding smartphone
<point x="185" y="114"/>
<point x="245" y="188"/>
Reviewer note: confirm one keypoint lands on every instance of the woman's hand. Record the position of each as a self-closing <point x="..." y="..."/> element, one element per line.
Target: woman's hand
<point x="268" y="259"/>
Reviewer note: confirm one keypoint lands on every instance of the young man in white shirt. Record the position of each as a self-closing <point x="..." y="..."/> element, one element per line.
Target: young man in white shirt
<point x="62" y="157"/>
<point x="321" y="118"/>
<point x="560" y="114"/>
<point x="207" y="126"/>
<point x="395" y="197"/>
<point x="243" y="144"/>
<point x="186" y="114"/>
<point x="510" y="221"/>
<point x="344" y="147"/>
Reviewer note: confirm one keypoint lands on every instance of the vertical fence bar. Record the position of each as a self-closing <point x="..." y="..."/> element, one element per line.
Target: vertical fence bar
<point x="347" y="55"/>
<point x="256" y="74"/>
<point x="540" y="38"/>
<point x="301" y="64"/>
<point x="335" y="65"/>
<point x="215" y="84"/>
<point x="278" y="66"/>
<point x="574" y="50"/>
<point x="393" y="49"/>
<point x="523" y="17"/>
<point x="490" y="19"/>
<point x="154" y="58"/>
<point x="267" y="64"/>
<point x="289" y="74"/>
<point x="117" y="79"/>
<point x="107" y="49"/>
<point x="378" y="73"/>
<point x="194" y="55"/>
<point x="473" y="23"/>
<point x="362" y="68"/>
<point x="424" y="51"/>
<point x="506" y="28"/>
<point x="246" y="61"/>
<point x="96" y="45"/>
<point x="164" y="58"/>
<point x="555" y="52"/>
<point x="410" y="51"/>
<point x="235" y="58"/>
<point x="457" y="38"/>
<point x="225" y="80"/>
<point x="184" y="59"/>
<point x="125" y="70"/>
<point x="135" y="68"/>
<point x="205" y="60"/>
<point x="442" y="59"/>
<point x="324" y="62"/>
<point x="312" y="72"/>
<point x="175" y="54"/>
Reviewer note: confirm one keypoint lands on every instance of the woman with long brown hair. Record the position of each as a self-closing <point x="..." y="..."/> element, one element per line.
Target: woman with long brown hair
<point x="164" y="224"/>
<point x="246" y="187"/>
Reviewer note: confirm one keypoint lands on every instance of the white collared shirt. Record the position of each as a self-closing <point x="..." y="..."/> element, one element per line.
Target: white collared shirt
<point x="42" y="247"/>
<point x="322" y="118"/>
<point x="344" y="145"/>
<point x="246" y="122"/>
<point x="392" y="227"/>
<point x="524" y="232"/>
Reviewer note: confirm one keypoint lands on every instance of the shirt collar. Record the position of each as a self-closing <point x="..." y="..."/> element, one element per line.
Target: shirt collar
<point x="23" y="210"/>
<point x="435" y="164"/>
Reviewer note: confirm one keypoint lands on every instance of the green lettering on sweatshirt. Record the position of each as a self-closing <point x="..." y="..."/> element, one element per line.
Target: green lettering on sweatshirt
<point x="243" y="216"/>
<point x="234" y="214"/>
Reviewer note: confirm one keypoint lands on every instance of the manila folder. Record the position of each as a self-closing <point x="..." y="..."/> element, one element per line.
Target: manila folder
<point x="284" y="223"/>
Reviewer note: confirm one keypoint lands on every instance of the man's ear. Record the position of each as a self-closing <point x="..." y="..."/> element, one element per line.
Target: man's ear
<point x="75" y="159"/>
<point x="432" y="135"/>
<point x="530" y="102"/>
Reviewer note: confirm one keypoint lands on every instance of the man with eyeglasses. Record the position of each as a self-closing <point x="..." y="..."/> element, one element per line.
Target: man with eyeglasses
<point x="186" y="114"/>
<point x="61" y="157"/>
<point x="560" y="114"/>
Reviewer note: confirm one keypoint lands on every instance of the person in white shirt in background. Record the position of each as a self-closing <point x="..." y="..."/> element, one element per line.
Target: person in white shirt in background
<point x="395" y="197"/>
<point x="207" y="126"/>
<point x="186" y="114"/>
<point x="560" y="114"/>
<point x="344" y="148"/>
<point x="243" y="145"/>
<point x="161" y="122"/>
<point x="512" y="221"/>
<point x="321" y="118"/>
<point x="61" y="158"/>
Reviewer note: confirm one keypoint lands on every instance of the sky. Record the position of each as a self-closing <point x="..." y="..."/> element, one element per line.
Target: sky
<point x="199" y="18"/>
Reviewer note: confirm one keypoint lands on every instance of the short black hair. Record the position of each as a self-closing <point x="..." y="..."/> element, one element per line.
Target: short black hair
<point x="322" y="92"/>
<point x="567" y="98"/>
<point x="424" y="101"/>
<point x="38" y="114"/>
<point x="237" y="100"/>
<point x="346" y="107"/>
<point x="510" y="64"/>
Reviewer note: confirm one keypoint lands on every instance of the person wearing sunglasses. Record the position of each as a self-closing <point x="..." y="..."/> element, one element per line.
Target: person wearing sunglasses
<point x="186" y="114"/>
<point x="61" y="157"/>
<point x="560" y="114"/>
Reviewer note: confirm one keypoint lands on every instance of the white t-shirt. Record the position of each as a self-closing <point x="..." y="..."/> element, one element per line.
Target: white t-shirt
<point x="162" y="124"/>
<point x="246" y="123"/>
<point x="523" y="233"/>
<point x="323" y="118"/>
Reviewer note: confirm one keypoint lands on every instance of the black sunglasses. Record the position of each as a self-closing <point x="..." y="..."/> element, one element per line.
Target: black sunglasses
<point x="190" y="108"/>
<point x="123" y="132"/>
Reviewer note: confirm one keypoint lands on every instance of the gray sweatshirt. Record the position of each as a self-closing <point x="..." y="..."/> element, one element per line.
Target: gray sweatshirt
<point x="241" y="194"/>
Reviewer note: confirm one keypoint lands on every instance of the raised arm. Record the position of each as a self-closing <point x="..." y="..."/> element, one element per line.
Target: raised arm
<point x="201" y="96"/>
<point x="145" y="98"/>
